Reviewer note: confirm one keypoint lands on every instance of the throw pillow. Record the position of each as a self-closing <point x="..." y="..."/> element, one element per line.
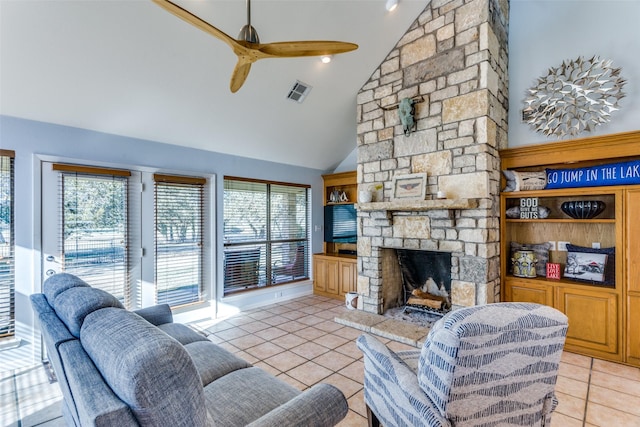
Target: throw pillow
<point x="519" y="181"/>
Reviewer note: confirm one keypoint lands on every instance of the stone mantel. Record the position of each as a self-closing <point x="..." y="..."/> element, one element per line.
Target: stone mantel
<point x="418" y="205"/>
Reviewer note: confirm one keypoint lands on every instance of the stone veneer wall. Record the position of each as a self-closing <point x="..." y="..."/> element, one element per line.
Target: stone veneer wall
<point x="454" y="56"/>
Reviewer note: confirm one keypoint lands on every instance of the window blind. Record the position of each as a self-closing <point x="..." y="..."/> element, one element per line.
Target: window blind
<point x="266" y="233"/>
<point x="179" y="211"/>
<point x="7" y="244"/>
<point x="93" y="230"/>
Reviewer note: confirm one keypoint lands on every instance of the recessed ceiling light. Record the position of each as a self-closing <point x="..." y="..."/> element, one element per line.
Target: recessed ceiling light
<point x="391" y="5"/>
<point x="325" y="59"/>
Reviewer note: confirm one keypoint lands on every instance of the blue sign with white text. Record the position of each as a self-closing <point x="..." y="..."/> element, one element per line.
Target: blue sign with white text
<point x="625" y="173"/>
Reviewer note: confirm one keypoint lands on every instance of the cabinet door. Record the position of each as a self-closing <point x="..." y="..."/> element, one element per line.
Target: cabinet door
<point x="347" y="277"/>
<point x="633" y="278"/>
<point x="333" y="276"/>
<point x="319" y="274"/>
<point x="593" y="320"/>
<point x="529" y="292"/>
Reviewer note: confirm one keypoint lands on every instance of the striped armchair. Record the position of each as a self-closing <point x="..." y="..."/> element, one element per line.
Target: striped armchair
<point x="489" y="365"/>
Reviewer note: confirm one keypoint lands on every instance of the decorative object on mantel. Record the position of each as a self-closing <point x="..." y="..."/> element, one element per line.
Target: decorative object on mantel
<point x="623" y="173"/>
<point x="573" y="98"/>
<point x="411" y="186"/>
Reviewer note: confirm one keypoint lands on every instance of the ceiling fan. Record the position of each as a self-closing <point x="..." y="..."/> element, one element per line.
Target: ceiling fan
<point x="248" y="47"/>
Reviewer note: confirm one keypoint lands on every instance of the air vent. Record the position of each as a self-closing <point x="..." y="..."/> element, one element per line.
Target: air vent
<point x="299" y="91"/>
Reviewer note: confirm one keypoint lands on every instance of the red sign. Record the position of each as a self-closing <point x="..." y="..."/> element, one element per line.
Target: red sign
<point x="553" y="270"/>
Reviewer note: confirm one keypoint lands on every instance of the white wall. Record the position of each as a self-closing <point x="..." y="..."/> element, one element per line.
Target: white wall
<point x="543" y="33"/>
<point x="32" y="140"/>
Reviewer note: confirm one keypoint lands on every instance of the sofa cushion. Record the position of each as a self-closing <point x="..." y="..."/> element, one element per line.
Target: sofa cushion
<point x="59" y="283"/>
<point x="230" y="404"/>
<point x="74" y="304"/>
<point x="212" y="361"/>
<point x="183" y="334"/>
<point x="150" y="371"/>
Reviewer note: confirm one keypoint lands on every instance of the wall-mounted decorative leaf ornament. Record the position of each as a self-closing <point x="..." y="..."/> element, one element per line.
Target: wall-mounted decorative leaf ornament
<point x="573" y="98"/>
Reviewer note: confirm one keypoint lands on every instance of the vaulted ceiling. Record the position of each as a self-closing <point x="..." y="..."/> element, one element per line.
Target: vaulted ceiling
<point x="130" y="68"/>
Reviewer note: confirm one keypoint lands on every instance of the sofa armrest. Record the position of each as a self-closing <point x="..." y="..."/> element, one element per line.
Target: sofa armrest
<point x="391" y="388"/>
<point x="321" y="405"/>
<point x="156" y="314"/>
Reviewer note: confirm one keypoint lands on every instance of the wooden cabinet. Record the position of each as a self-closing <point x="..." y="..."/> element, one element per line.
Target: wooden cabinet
<point x="633" y="276"/>
<point x="604" y="314"/>
<point x="334" y="275"/>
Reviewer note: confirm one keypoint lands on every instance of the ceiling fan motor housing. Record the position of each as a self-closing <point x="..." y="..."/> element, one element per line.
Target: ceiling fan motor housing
<point x="249" y="34"/>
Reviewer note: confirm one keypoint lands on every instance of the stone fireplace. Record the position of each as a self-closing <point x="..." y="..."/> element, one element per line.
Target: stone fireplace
<point x="452" y="62"/>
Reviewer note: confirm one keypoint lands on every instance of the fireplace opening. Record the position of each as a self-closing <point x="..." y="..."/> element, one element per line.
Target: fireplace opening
<point x="426" y="280"/>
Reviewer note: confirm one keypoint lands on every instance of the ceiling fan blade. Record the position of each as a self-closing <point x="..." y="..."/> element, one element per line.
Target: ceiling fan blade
<point x="305" y="48"/>
<point x="240" y="73"/>
<point x="196" y="22"/>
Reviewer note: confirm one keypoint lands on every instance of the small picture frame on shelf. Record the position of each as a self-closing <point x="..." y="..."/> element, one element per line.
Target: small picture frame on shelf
<point x="553" y="271"/>
<point x="585" y="266"/>
<point x="411" y="186"/>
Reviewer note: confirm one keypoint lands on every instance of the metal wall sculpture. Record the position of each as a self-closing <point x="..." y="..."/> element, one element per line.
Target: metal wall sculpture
<point x="575" y="97"/>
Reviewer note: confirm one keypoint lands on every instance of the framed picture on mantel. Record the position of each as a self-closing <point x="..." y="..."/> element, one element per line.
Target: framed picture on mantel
<point x="412" y="186"/>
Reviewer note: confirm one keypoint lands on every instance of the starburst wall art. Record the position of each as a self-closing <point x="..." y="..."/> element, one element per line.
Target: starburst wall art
<point x="575" y="97"/>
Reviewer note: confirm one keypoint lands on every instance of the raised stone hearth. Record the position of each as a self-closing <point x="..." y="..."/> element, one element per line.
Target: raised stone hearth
<point x="453" y="63"/>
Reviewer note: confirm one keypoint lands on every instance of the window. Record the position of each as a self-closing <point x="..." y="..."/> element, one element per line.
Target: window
<point x="93" y="228"/>
<point x="179" y="218"/>
<point x="7" y="275"/>
<point x="266" y="233"/>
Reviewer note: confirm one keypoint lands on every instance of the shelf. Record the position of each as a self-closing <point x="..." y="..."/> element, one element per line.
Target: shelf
<point x="556" y="282"/>
<point x="564" y="220"/>
<point x="418" y="205"/>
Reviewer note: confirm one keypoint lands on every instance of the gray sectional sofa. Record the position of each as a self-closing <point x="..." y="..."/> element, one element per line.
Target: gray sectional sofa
<point x="124" y="368"/>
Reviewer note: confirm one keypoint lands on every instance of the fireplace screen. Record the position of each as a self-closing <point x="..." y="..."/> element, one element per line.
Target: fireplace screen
<point x="426" y="280"/>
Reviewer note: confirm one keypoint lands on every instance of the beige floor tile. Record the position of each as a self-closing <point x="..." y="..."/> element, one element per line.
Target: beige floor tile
<point x="613" y="382"/>
<point x="570" y="406"/>
<point x="572" y="387"/>
<point x="333" y="360"/>
<point x="575" y="372"/>
<point x="292" y="381"/>
<point x="285" y="361"/>
<point x="617" y="369"/>
<point x="232" y="333"/>
<point x="350" y="349"/>
<point x="348" y="333"/>
<point x="292" y="326"/>
<point x="248" y="357"/>
<point x="310" y="309"/>
<point x="309" y="350"/>
<point x="331" y="341"/>
<point x="310" y="333"/>
<point x="309" y="373"/>
<point x="260" y="314"/>
<point x="398" y="346"/>
<point x="347" y="386"/>
<point x="220" y="326"/>
<point x="288" y="341"/>
<point x="353" y="419"/>
<point x="603" y="416"/>
<point x="355" y="371"/>
<point x="254" y="326"/>
<point x="246" y="341"/>
<point x="614" y="399"/>
<point x="272" y="333"/>
<point x="576" y="359"/>
<point x="266" y="367"/>
<point x="275" y="320"/>
<point x="265" y="350"/>
<point x="311" y="320"/>
<point x="356" y="403"/>
<point x="294" y="315"/>
<point x="561" y="420"/>
<point x="240" y="320"/>
<point x="328" y="326"/>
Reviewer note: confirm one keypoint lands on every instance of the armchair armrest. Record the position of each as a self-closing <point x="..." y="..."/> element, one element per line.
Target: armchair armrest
<point x="156" y="314"/>
<point x="391" y="387"/>
<point x="321" y="405"/>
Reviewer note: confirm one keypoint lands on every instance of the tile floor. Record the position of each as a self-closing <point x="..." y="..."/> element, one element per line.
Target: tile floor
<point x="299" y="342"/>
